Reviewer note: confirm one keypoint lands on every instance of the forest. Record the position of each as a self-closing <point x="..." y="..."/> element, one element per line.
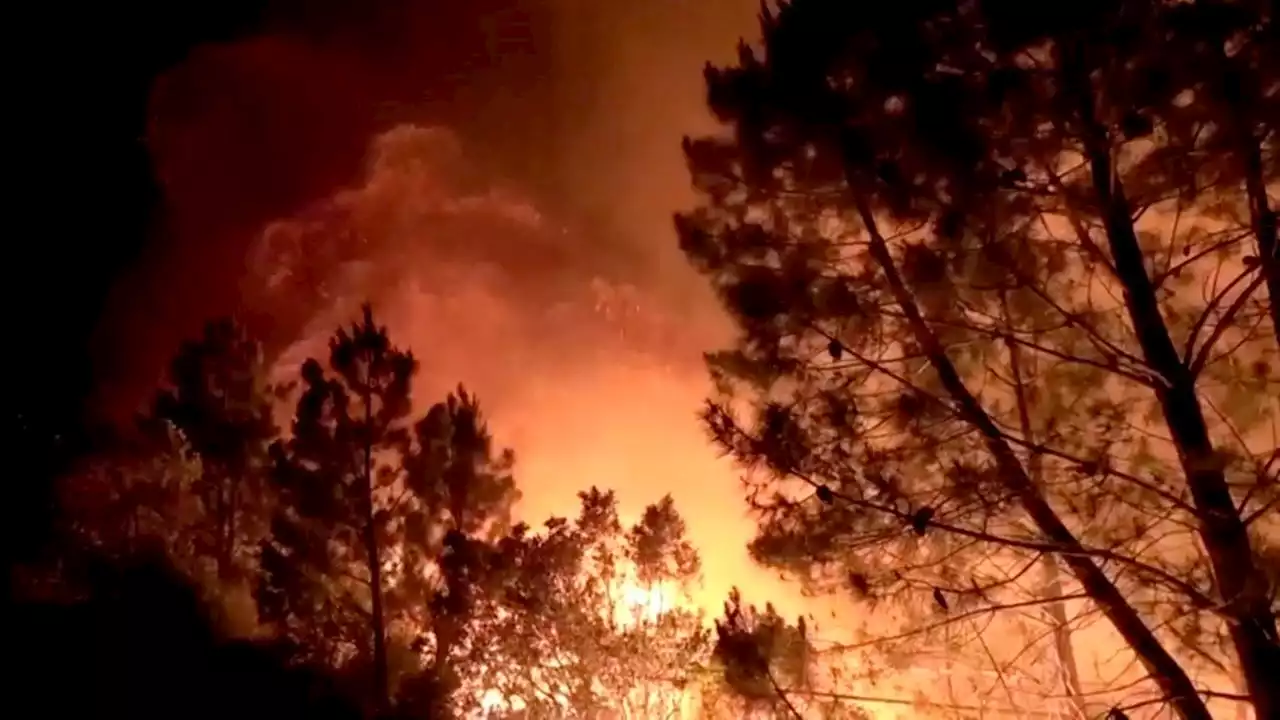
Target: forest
<point x="1004" y="384"/>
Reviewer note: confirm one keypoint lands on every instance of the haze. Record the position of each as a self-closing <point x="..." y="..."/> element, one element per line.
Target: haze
<point x="574" y="109"/>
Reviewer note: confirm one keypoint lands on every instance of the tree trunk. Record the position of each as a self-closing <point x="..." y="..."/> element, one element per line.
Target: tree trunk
<point x="1237" y="95"/>
<point x="374" y="558"/>
<point x="1062" y="641"/>
<point x="1241" y="586"/>
<point x="1160" y="665"/>
<point x="1262" y="219"/>
<point x="377" y="622"/>
<point x="1070" y="671"/>
<point x="446" y="632"/>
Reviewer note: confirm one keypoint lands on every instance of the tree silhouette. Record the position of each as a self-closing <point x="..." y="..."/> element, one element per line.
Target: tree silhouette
<point x="961" y="339"/>
<point x="131" y="498"/>
<point x="1209" y="86"/>
<point x="324" y="562"/>
<point x="190" y="476"/>
<point x="132" y="638"/>
<point x="386" y="553"/>
<point x="219" y="403"/>
<point x="593" y="619"/>
<point x="383" y="527"/>
<point x="771" y="667"/>
<point x="464" y="492"/>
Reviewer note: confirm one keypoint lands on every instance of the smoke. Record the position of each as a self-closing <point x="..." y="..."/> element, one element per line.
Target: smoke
<point x="590" y="379"/>
<point x="497" y="177"/>
<point x="579" y="104"/>
<point x="487" y="287"/>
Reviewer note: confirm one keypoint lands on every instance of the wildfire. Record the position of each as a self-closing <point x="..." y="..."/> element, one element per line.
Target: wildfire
<point x="645" y="603"/>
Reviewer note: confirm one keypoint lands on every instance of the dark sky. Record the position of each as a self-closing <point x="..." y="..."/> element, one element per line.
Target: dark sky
<point x="80" y="198"/>
<point x="149" y="140"/>
<point x="87" y="213"/>
<point x="88" y="205"/>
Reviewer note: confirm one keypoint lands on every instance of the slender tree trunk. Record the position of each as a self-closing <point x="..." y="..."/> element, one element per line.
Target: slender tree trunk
<point x="1240" y="584"/>
<point x="1237" y="95"/>
<point x="1062" y="640"/>
<point x="1057" y="611"/>
<point x="446" y="635"/>
<point x="233" y="504"/>
<point x="226" y="518"/>
<point x="1163" y="669"/>
<point x="1262" y="219"/>
<point x="374" y="557"/>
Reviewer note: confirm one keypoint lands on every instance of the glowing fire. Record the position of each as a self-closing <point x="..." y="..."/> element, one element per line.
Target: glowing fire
<point x="637" y="603"/>
<point x="646" y="603"/>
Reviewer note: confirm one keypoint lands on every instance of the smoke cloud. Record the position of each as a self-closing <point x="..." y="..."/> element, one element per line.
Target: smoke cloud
<point x="590" y="379"/>
<point x="498" y="179"/>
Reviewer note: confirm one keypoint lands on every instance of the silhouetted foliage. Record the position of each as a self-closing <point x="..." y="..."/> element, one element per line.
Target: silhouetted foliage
<point x="191" y="475"/>
<point x="219" y="403"/>
<point x="771" y="667"/>
<point x="380" y="535"/>
<point x="464" y="490"/>
<point x="133" y="496"/>
<point x="969" y="319"/>
<point x="379" y="544"/>
<point x="132" y="639"/>
<point x="327" y="528"/>
<point x="592" y="619"/>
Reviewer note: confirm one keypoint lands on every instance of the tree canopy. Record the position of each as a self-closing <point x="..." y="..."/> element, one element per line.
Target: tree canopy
<point x="1004" y="280"/>
<point x="376" y="544"/>
<point x="1005" y="383"/>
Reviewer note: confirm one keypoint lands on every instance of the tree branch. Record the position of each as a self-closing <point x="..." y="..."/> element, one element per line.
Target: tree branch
<point x="1197" y="365"/>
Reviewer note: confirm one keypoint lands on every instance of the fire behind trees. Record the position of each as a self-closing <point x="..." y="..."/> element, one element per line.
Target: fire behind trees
<point x="1005" y="281"/>
<point x="423" y="222"/>
<point x="361" y="562"/>
<point x="1005" y="276"/>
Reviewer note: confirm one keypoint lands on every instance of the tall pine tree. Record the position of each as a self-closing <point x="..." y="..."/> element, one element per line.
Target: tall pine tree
<point x="384" y="526"/>
<point x="324" y="565"/>
<point x="218" y="400"/>
<point x="964" y="327"/>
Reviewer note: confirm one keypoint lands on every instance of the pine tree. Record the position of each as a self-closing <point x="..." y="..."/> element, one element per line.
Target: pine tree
<point x="1211" y="87"/>
<point x="464" y="491"/>
<point x="383" y="536"/>
<point x="218" y="401"/>
<point x="960" y="335"/>
<point x="592" y="618"/>
<point x="189" y="478"/>
<point x="324" y="564"/>
<point x="771" y="668"/>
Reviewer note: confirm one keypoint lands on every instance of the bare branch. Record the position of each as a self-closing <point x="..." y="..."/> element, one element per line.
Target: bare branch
<point x="1197" y="365"/>
<point x="959" y="617"/>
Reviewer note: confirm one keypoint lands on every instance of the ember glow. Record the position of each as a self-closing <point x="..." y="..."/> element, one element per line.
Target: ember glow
<point x="559" y="298"/>
<point x="583" y="340"/>
<point x="589" y="380"/>
<point x="497" y="181"/>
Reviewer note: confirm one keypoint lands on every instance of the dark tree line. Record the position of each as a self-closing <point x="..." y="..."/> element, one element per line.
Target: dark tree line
<point x="327" y="541"/>
<point x="132" y="638"/>
<point x="1005" y="276"/>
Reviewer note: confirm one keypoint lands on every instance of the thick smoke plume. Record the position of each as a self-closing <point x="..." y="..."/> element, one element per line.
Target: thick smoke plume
<point x="564" y="304"/>
<point x="589" y="378"/>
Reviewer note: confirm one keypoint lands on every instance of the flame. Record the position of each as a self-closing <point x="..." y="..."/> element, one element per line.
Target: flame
<point x="450" y="268"/>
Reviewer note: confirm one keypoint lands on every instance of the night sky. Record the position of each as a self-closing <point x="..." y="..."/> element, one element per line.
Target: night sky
<point x="85" y="198"/>
<point x="154" y="140"/>
<point x="88" y="212"/>
<point x="155" y="148"/>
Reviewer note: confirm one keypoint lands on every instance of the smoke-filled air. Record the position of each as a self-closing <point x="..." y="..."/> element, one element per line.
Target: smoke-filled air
<point x="799" y="359"/>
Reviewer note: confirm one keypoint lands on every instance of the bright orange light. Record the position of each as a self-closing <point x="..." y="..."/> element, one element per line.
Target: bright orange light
<point x="645" y="603"/>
